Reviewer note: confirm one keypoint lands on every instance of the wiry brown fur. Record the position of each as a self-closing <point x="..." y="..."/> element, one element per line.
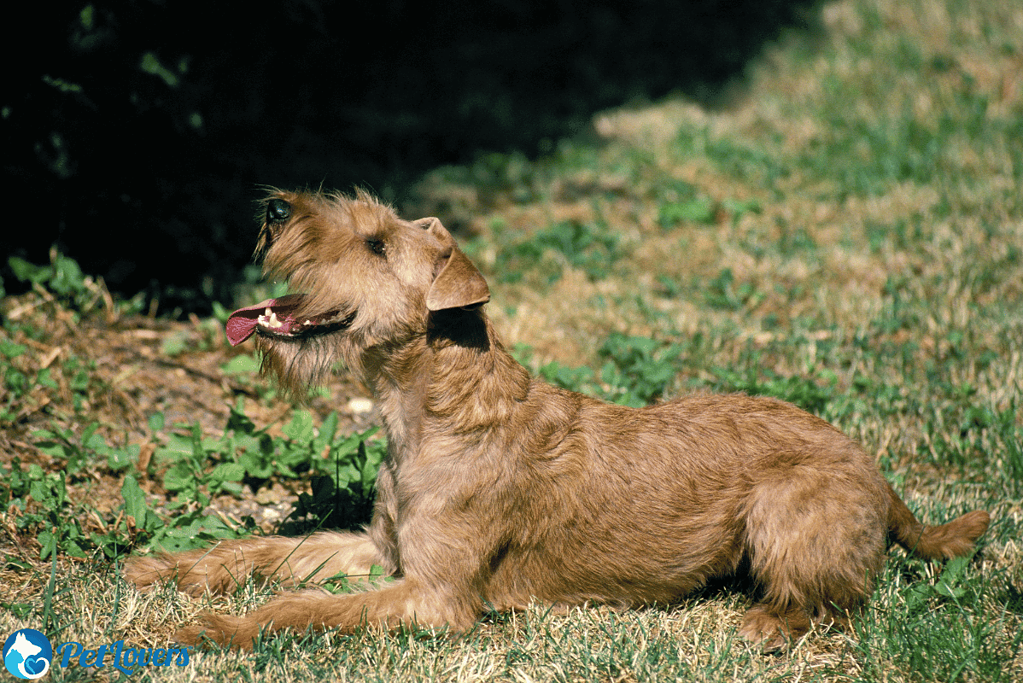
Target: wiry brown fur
<point x="500" y="489"/>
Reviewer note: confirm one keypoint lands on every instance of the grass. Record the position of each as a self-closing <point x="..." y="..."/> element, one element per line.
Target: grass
<point x="846" y="234"/>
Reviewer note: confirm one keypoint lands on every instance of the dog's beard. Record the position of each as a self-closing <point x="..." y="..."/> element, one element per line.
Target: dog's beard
<point x="301" y="362"/>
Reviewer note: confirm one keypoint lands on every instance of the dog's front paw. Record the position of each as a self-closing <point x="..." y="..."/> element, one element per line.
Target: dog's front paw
<point x="222" y="630"/>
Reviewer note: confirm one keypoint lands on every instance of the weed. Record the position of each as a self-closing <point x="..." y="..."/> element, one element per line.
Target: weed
<point x="78" y="451"/>
<point x="175" y="344"/>
<point x="570" y="243"/>
<point x="935" y="630"/>
<point x="743" y="162"/>
<point x="63" y="280"/>
<point x="41" y="501"/>
<point x="681" y="202"/>
<point x="16" y="381"/>
<point x="635" y="372"/>
<point x="637" y="369"/>
<point x="723" y="293"/>
<point x="342" y="469"/>
<point x="811" y="393"/>
<point x="63" y="277"/>
<point x="241" y="365"/>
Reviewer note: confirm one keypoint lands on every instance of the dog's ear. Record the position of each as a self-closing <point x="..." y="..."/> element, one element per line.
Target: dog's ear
<point x="456" y="281"/>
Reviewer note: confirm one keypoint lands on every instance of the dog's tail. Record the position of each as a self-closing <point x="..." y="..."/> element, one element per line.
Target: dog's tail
<point x="954" y="539"/>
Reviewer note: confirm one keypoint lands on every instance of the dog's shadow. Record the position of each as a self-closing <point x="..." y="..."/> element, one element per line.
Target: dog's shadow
<point x="740" y="583"/>
<point x="739" y="587"/>
<point x="328" y="506"/>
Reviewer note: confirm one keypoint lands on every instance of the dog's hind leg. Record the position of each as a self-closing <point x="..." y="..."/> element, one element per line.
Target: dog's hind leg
<point x="816" y="541"/>
<point x="227" y="564"/>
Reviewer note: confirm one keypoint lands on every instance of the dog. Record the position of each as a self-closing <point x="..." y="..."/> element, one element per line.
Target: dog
<point x="499" y="489"/>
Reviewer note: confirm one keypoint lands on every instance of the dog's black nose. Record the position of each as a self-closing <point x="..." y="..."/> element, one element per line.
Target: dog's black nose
<point x="277" y="211"/>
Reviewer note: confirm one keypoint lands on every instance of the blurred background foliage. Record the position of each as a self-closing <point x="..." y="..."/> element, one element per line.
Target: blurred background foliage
<point x="137" y="135"/>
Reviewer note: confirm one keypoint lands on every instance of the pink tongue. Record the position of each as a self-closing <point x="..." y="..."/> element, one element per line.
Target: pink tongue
<point x="242" y="323"/>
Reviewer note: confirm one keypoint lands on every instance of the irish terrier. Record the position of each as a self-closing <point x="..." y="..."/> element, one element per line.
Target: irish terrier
<point x="499" y="489"/>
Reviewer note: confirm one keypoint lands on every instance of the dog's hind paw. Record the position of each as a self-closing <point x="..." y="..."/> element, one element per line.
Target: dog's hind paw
<point x="773" y="631"/>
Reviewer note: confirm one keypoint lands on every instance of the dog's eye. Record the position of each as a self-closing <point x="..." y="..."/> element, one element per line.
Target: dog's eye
<point x="377" y="247"/>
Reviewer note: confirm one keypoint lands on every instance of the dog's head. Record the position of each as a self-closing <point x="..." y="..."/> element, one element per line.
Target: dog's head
<point x="360" y="276"/>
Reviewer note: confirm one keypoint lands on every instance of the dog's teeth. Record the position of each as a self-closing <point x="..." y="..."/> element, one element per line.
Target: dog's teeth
<point x="274" y="322"/>
<point x="308" y="322"/>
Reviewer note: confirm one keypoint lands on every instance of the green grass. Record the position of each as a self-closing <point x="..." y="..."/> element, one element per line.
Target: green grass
<point x="846" y="234"/>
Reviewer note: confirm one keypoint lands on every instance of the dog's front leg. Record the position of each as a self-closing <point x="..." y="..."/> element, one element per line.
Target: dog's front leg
<point x="443" y="575"/>
<point x="404" y="602"/>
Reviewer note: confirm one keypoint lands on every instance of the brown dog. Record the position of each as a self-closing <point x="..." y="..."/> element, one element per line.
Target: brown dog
<point x="500" y="489"/>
